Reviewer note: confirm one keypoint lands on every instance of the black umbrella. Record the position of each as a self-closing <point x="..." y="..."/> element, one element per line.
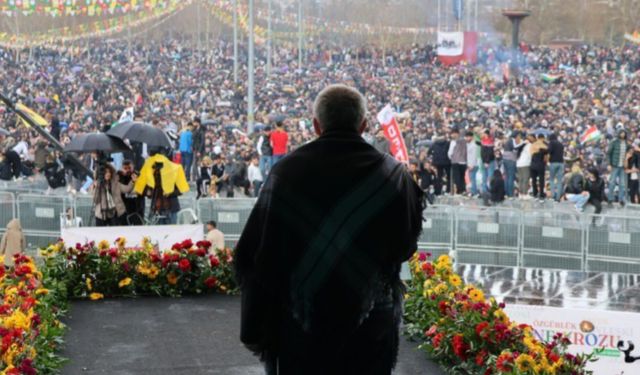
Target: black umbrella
<point x="141" y="132"/>
<point x="94" y="142"/>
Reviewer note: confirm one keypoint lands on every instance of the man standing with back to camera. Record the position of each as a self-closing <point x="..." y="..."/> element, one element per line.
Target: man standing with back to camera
<point x="319" y="259"/>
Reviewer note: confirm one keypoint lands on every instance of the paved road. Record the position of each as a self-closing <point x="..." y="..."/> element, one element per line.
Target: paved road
<point x="162" y="336"/>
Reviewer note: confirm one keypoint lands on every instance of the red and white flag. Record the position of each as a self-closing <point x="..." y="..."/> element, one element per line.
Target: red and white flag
<point x="392" y="132"/>
<point x="456" y="47"/>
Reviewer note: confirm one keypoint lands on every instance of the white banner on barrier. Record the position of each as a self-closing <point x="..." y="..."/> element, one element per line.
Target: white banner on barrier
<point x="164" y="235"/>
<point x="587" y="330"/>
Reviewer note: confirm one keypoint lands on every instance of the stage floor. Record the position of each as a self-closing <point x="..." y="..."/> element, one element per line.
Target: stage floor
<point x="572" y="289"/>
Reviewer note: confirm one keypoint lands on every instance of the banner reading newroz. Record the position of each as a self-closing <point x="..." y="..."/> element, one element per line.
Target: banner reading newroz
<point x="164" y="235"/>
<point x="615" y="333"/>
<point x="450" y="43"/>
<point x="392" y="132"/>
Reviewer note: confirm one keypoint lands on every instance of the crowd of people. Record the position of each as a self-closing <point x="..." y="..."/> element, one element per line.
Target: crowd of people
<point x="472" y="130"/>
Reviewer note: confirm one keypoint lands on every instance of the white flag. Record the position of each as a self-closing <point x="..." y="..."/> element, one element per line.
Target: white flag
<point x="127" y="115"/>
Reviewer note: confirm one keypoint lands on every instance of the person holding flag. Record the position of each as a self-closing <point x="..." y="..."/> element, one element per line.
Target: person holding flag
<point x="387" y="119"/>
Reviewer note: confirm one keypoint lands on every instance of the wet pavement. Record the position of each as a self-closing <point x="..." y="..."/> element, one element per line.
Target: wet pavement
<point x="177" y="336"/>
<point x="571" y="289"/>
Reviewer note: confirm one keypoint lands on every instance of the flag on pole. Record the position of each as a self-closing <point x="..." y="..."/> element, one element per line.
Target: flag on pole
<point x="635" y="37"/>
<point x="36" y="118"/>
<point x="457" y="47"/>
<point x="392" y="132"/>
<point x="590" y="135"/>
<point x="551" y="78"/>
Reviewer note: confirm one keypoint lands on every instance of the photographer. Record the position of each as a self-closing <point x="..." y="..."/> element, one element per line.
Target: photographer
<point x="133" y="203"/>
<point x="107" y="196"/>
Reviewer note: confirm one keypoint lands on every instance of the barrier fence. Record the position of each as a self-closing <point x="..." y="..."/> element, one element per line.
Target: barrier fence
<point x="495" y="236"/>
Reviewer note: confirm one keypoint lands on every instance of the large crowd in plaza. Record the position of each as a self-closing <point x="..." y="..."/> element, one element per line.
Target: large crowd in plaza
<point x="565" y="128"/>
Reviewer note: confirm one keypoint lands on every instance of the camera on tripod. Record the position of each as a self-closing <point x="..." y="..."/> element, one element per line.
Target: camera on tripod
<point x="102" y="161"/>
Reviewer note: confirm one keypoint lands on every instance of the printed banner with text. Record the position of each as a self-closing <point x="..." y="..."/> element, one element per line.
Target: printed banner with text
<point x="614" y="333"/>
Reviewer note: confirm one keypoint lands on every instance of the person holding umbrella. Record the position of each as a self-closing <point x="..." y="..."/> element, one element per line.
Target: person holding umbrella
<point x="110" y="209"/>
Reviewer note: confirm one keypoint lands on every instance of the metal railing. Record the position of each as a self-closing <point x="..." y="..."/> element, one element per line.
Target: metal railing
<point x="537" y="237"/>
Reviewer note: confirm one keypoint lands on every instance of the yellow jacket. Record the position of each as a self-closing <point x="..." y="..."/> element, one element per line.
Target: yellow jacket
<point x="172" y="176"/>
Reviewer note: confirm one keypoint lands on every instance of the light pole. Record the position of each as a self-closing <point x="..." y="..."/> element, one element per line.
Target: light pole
<point x="439" y="10"/>
<point x="269" y="40"/>
<point x="477" y="8"/>
<point x="300" y="34"/>
<point x="250" y="91"/>
<point x="235" y="41"/>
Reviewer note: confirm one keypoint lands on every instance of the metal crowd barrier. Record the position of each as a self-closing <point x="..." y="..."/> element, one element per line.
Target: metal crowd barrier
<point x="230" y="215"/>
<point x="487" y="235"/>
<point x="535" y="236"/>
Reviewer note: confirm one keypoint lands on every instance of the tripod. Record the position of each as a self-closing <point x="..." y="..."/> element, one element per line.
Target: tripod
<point x="160" y="204"/>
<point x="101" y="193"/>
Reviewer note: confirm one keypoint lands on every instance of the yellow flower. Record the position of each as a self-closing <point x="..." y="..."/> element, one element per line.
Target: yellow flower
<point x="89" y="285"/>
<point x="441" y="288"/>
<point x="121" y="242"/>
<point x="104" y="245"/>
<point x="525" y="363"/>
<point x="500" y="315"/>
<point x="455" y="280"/>
<point x="153" y="272"/>
<point x="124" y="282"/>
<point x="42" y="291"/>
<point x="96" y="296"/>
<point x="146" y="241"/>
<point x="476" y="295"/>
<point x="17" y="319"/>
<point x="1" y="259"/>
<point x="444" y="259"/>
<point x="172" y="278"/>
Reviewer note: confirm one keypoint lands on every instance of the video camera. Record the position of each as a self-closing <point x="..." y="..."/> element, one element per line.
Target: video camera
<point x="103" y="160"/>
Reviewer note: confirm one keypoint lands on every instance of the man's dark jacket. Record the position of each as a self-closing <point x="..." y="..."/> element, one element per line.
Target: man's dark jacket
<point x="319" y="259"/>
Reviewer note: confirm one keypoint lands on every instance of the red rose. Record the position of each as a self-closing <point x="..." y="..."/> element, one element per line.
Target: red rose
<point x="186" y="244"/>
<point x="480" y="357"/>
<point x="155" y="257"/>
<point x="437" y="339"/>
<point x="32" y="283"/>
<point x="35" y="319"/>
<point x="184" y="265"/>
<point x="126" y="267"/>
<point x="422" y="256"/>
<point x="215" y="262"/>
<point x="28" y="303"/>
<point x="211" y="282"/>
<point x="3" y="310"/>
<point x="203" y="244"/>
<point x="459" y="346"/>
<point x="201" y="252"/>
<point x="432" y="331"/>
<point x="428" y="269"/>
<point x="26" y="367"/>
<point x="480" y="329"/>
<point x="443" y="306"/>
